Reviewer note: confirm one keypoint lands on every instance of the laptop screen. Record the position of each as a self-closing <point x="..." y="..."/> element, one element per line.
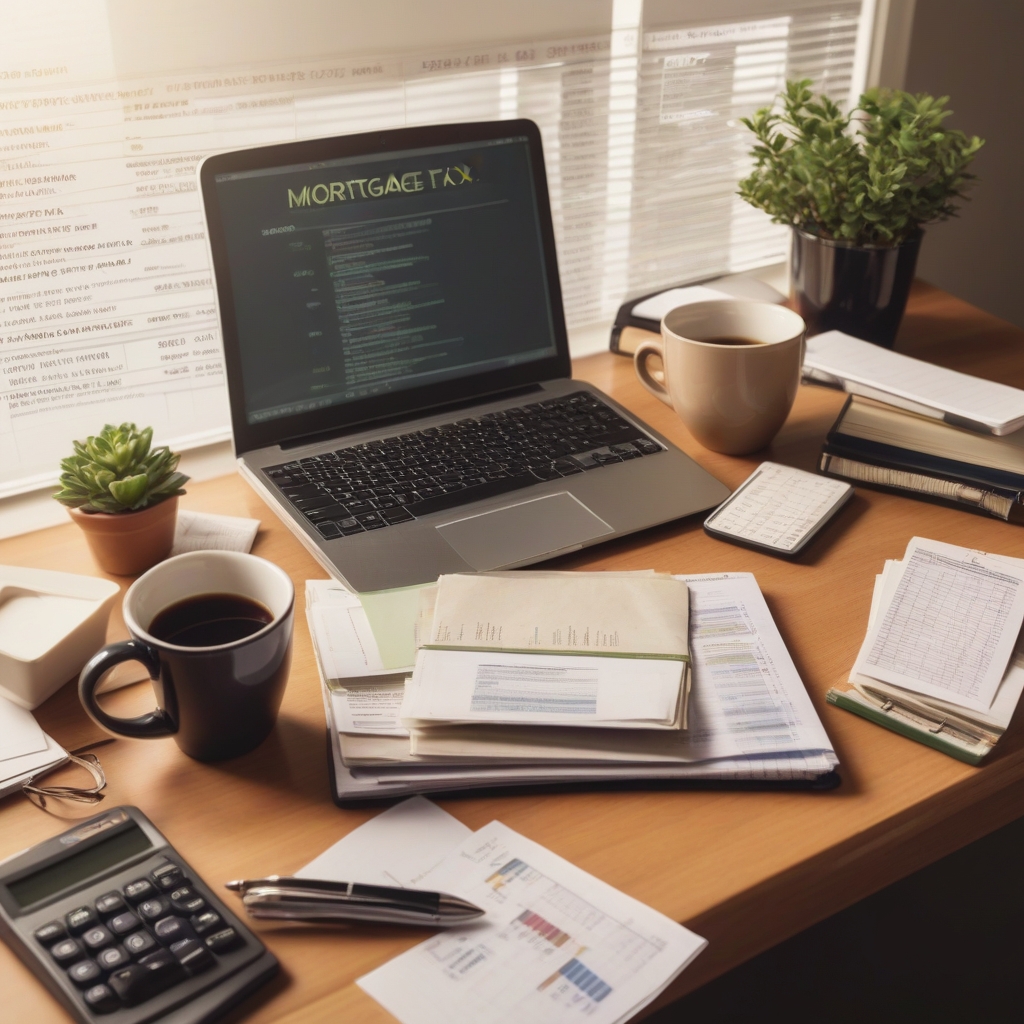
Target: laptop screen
<point x="356" y="278"/>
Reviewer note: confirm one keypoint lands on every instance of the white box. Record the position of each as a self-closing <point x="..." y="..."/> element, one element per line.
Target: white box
<point x="51" y="624"/>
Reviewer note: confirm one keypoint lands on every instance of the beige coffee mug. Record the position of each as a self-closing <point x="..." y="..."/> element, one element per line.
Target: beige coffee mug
<point x="732" y="397"/>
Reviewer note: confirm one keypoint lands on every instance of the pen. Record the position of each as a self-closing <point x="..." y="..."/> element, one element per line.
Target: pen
<point x="311" y="899"/>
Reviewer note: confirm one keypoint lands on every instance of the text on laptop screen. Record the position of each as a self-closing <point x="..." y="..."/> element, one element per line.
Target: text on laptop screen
<point x="374" y="274"/>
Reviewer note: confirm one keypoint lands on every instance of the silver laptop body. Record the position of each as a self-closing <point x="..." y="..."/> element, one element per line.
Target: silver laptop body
<point x="384" y="294"/>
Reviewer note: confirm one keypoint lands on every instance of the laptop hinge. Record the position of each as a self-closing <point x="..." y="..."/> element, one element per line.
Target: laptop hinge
<point x="357" y="428"/>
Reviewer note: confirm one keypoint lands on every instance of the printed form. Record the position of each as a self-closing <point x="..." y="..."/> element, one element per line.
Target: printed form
<point x="951" y="625"/>
<point x="556" y="944"/>
<point x="747" y="695"/>
<point x="1007" y="695"/>
<point x="539" y="689"/>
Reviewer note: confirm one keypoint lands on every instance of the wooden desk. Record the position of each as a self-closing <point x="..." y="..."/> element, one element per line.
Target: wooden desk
<point x="746" y="870"/>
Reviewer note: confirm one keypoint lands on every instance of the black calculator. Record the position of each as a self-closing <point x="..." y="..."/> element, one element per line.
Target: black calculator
<point x="118" y="927"/>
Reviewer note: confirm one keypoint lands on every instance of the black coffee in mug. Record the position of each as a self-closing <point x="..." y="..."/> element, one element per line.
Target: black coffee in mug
<point x="214" y="631"/>
<point x="731" y="339"/>
<point x="209" y="620"/>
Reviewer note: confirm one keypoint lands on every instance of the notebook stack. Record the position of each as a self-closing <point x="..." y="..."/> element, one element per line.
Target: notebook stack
<point x="540" y="678"/>
<point x="921" y="430"/>
<point x="943" y="658"/>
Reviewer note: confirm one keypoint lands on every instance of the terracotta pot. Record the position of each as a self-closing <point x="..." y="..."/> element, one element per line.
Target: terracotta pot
<point x="127" y="543"/>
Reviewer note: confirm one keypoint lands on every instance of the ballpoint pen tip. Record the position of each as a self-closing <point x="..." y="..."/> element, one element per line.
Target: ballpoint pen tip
<point x="235" y="885"/>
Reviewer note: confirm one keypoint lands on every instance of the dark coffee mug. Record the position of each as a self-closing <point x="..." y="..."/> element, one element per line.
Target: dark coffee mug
<point x="217" y="702"/>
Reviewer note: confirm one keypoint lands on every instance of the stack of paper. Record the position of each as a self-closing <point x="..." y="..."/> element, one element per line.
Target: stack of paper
<point x="25" y="750"/>
<point x="748" y="716"/>
<point x="943" y="658"/>
<point x="571" y="649"/>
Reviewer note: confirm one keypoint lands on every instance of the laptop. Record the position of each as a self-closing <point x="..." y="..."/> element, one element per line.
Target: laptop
<point x="397" y="361"/>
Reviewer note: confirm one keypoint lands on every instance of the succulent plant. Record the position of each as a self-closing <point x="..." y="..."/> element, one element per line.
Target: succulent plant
<point x="118" y="471"/>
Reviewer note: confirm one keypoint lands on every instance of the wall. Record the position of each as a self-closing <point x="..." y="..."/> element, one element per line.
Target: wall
<point x="971" y="52"/>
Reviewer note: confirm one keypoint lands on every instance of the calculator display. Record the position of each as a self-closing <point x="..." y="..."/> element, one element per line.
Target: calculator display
<point x="78" y="866"/>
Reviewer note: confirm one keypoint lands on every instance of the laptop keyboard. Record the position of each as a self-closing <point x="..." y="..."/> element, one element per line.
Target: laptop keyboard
<point x="382" y="483"/>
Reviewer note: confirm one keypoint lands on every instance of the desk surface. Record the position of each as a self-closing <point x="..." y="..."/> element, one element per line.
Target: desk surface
<point x="746" y="870"/>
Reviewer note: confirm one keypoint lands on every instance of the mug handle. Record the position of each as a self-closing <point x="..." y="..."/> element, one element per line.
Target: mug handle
<point x="156" y="722"/>
<point x="643" y="352"/>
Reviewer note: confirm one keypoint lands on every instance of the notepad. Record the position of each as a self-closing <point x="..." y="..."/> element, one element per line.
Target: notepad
<point x="861" y="368"/>
<point x="778" y="509"/>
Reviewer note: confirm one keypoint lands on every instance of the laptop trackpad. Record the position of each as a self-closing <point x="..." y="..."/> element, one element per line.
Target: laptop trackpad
<point x="518" y="533"/>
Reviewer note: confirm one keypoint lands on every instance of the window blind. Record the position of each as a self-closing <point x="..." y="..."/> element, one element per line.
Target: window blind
<point x="107" y="106"/>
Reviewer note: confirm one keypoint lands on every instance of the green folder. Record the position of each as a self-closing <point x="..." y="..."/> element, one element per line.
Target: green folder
<point x="938" y="736"/>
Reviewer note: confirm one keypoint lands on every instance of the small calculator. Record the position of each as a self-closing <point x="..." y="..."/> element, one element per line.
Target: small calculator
<point x="118" y="927"/>
<point x="778" y="509"/>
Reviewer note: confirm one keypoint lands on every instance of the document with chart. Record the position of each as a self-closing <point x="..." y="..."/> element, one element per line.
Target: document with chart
<point x="556" y="944"/>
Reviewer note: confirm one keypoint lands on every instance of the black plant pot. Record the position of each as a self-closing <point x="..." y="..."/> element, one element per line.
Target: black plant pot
<point x="858" y="290"/>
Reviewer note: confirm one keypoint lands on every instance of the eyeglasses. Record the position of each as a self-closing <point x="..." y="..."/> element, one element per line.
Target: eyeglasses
<point x="39" y="794"/>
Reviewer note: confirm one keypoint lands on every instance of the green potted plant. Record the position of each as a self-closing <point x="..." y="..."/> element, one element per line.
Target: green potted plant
<point x="123" y="493"/>
<point x="856" y="189"/>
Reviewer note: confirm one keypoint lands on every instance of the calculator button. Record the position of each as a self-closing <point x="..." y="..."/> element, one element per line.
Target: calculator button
<point x="85" y="972"/>
<point x="101" y="999"/>
<point x="112" y="957"/>
<point x="206" y="922"/>
<point x="187" y="901"/>
<point x="140" y="943"/>
<point x="173" y="929"/>
<point x="154" y="909"/>
<point x="168" y="876"/>
<point x="139" y="890"/>
<point x="193" y="955"/>
<point x="138" y="982"/>
<point x="51" y="932"/>
<point x="97" y="938"/>
<point x="80" y="919"/>
<point x="111" y="903"/>
<point x="67" y="951"/>
<point x="222" y="941"/>
<point x="124" y="923"/>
